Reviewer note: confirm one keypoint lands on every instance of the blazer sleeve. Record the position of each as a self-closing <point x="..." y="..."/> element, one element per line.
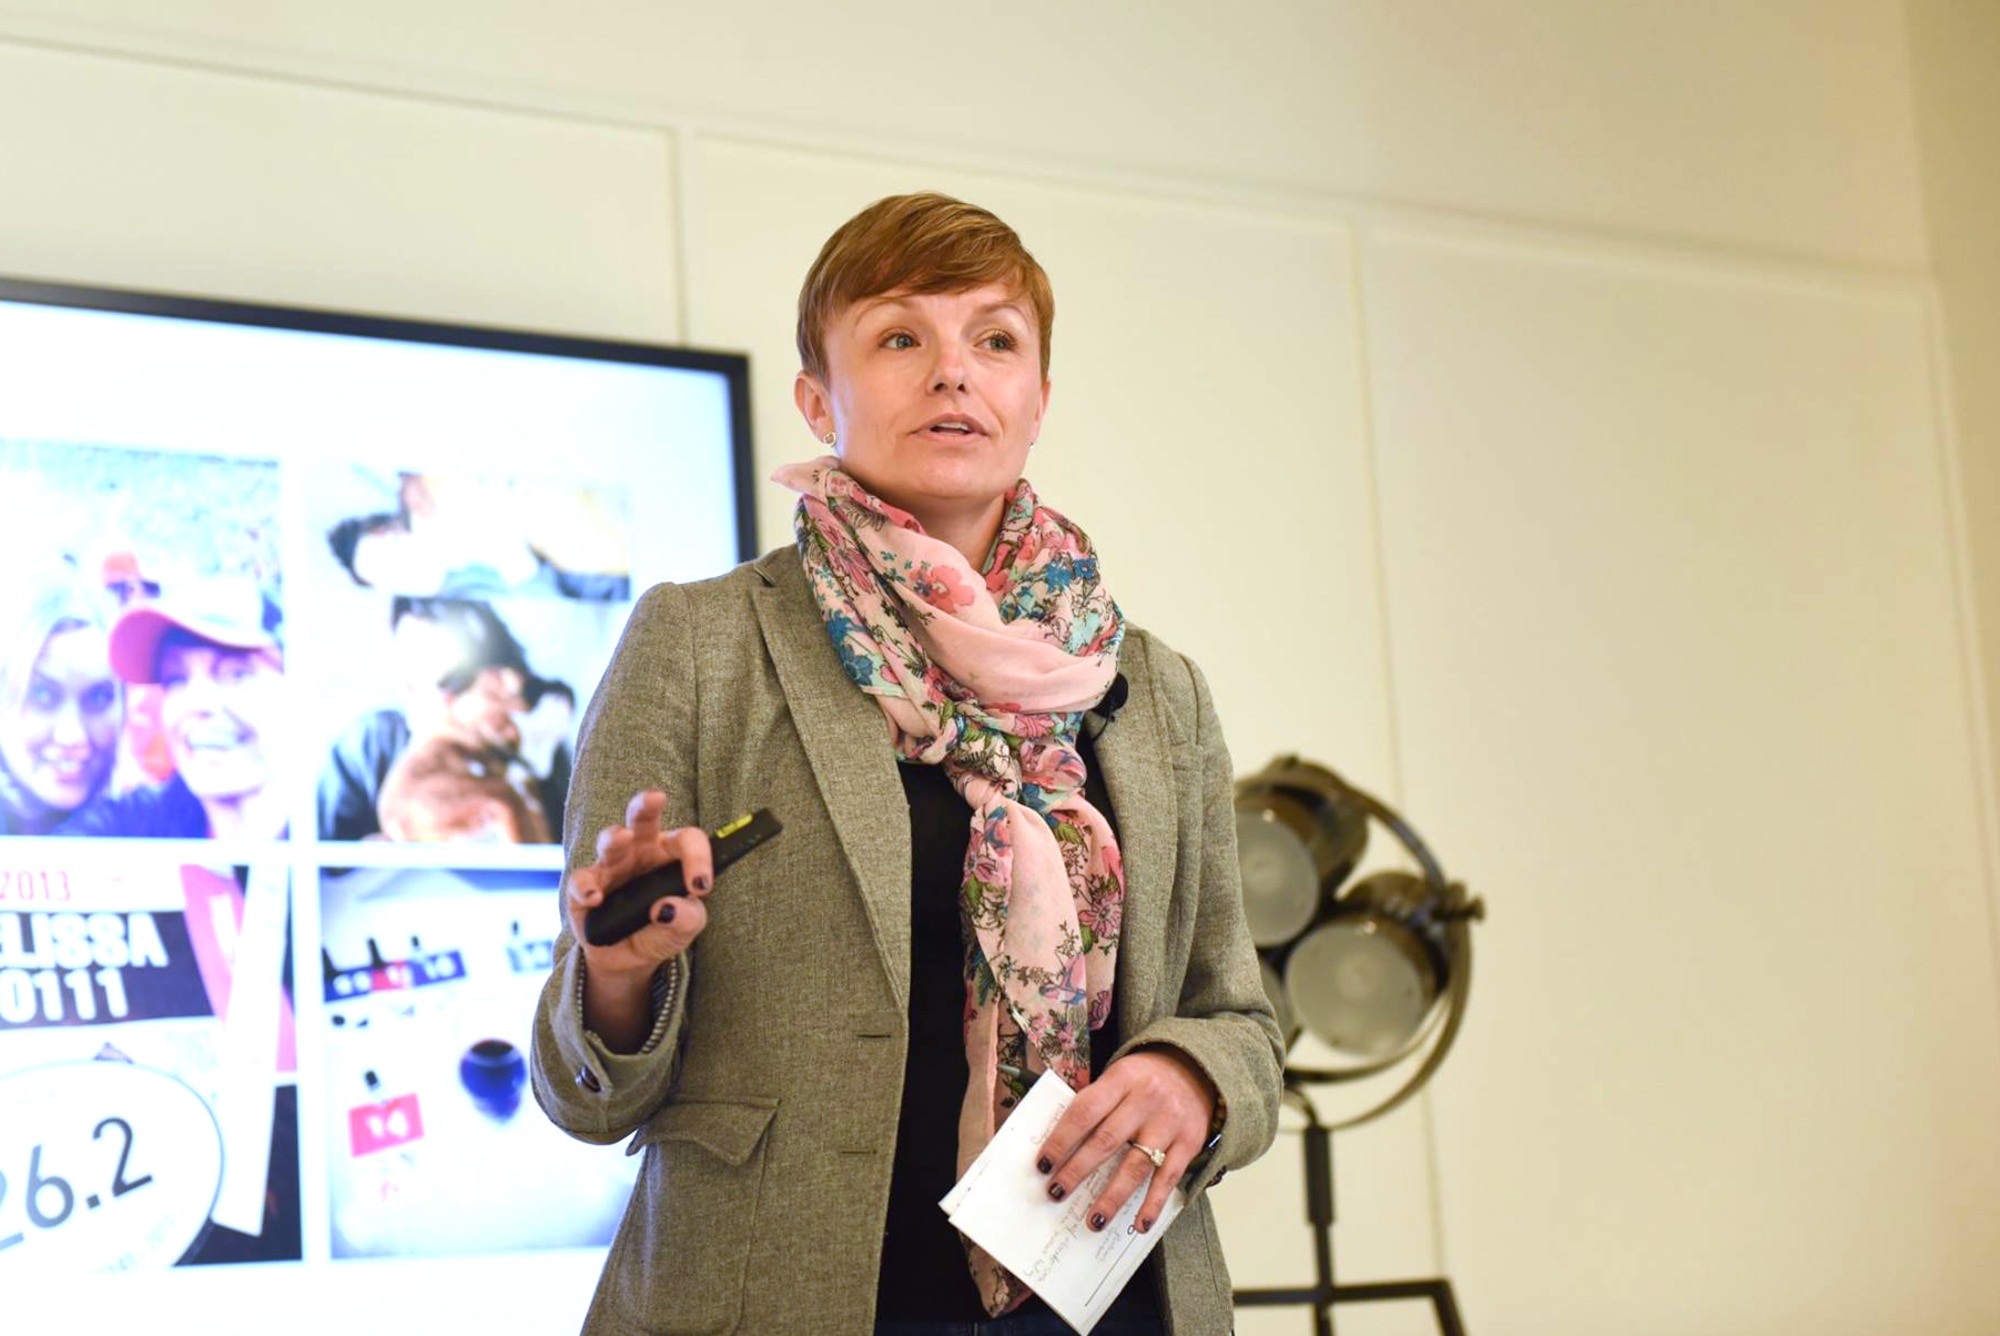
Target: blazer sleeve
<point x="638" y="733"/>
<point x="1224" y="1023"/>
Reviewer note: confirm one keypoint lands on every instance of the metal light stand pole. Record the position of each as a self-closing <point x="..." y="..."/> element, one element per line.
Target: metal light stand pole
<point x="1317" y="1140"/>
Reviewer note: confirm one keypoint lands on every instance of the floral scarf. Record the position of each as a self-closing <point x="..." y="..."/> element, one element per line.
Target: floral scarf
<point x="988" y="675"/>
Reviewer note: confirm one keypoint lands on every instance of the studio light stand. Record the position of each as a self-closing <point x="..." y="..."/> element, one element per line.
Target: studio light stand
<point x="1317" y="1142"/>
<point x="1379" y="971"/>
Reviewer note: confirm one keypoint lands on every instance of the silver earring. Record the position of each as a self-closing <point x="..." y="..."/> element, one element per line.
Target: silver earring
<point x="827" y="439"/>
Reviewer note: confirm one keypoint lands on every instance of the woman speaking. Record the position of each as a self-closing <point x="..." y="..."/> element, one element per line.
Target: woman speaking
<point x="1008" y="848"/>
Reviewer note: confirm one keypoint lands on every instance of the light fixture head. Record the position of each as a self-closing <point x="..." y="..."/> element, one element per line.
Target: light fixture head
<point x="1377" y="971"/>
<point x="1364" y="981"/>
<point x="1297" y="840"/>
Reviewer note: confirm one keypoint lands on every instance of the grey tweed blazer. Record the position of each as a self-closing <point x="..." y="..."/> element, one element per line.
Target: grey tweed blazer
<point x="766" y="1099"/>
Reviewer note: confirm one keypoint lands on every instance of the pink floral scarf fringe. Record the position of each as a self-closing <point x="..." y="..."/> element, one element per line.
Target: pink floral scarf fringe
<point x="987" y="675"/>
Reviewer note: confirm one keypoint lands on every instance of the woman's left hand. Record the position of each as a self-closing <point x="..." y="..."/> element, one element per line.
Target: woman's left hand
<point x="1151" y="1097"/>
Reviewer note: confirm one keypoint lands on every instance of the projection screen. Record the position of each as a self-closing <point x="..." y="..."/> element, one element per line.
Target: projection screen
<point x="298" y="615"/>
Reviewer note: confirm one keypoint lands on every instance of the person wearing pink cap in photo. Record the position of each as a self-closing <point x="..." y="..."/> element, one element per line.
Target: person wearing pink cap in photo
<point x="124" y="580"/>
<point x="211" y="645"/>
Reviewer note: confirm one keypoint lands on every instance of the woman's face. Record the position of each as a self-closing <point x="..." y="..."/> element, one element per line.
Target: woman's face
<point x="934" y="398"/>
<point x="61" y="742"/>
<point x="221" y="709"/>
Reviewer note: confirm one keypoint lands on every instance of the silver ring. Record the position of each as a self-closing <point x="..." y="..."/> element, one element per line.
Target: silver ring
<point x="1158" y="1157"/>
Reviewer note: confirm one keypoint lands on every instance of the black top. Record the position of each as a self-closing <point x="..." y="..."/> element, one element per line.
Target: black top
<point x="167" y="811"/>
<point x="351" y="782"/>
<point x="924" y="1274"/>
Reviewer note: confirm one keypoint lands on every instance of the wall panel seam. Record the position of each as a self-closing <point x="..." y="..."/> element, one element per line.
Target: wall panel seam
<point x="1521" y="242"/>
<point x="1965" y="606"/>
<point x="1358" y="241"/>
<point x="290" y="69"/>
<point x="687" y="244"/>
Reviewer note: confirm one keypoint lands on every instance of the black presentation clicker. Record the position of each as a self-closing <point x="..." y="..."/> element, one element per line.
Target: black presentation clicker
<point x="630" y="907"/>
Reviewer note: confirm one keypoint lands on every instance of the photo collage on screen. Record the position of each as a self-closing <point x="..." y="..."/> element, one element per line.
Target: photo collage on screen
<point x="284" y="750"/>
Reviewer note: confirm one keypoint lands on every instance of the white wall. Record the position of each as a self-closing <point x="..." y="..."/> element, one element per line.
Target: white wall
<point x="1733" y="1058"/>
<point x="1779" y="126"/>
<point x="151" y="174"/>
<point x="1954" y="55"/>
<point x="1527" y="408"/>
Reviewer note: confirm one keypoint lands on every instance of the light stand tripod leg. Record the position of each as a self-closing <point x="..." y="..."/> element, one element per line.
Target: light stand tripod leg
<point x="1317" y="1143"/>
<point x="1446" y="1304"/>
<point x="1319" y="1213"/>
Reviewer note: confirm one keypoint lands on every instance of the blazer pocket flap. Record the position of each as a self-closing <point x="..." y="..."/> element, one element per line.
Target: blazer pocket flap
<point x="727" y="1129"/>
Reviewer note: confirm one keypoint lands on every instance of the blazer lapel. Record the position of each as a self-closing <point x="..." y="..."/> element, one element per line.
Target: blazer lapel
<point x="846" y="740"/>
<point x="1138" y="766"/>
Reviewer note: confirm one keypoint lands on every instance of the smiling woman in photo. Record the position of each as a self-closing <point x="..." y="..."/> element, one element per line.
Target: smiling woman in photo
<point x="60" y="706"/>
<point x="213" y="649"/>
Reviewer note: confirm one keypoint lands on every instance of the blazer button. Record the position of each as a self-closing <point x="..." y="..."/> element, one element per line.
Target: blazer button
<point x="587" y="1079"/>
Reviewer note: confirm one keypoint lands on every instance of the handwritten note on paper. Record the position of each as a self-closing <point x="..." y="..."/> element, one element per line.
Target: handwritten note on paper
<point x="1003" y="1205"/>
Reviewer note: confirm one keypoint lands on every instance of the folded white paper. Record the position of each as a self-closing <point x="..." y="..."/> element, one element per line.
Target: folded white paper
<point x="1003" y="1205"/>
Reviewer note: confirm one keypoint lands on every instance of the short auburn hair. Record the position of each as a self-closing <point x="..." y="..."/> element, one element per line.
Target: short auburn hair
<point x="925" y="242"/>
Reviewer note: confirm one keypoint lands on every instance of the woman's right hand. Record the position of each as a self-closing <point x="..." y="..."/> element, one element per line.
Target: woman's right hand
<point x="628" y="851"/>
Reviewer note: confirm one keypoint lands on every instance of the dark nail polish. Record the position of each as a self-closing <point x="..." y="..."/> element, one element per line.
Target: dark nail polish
<point x="1056" y="1191"/>
<point x="1145" y="1225"/>
<point x="1043" y="1164"/>
<point x="1097" y="1221"/>
<point x="666" y="914"/>
<point x="701" y="883"/>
